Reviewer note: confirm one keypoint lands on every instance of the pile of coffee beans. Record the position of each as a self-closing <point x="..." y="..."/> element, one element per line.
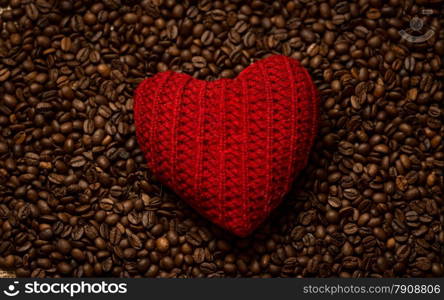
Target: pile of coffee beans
<point x="76" y="197"/>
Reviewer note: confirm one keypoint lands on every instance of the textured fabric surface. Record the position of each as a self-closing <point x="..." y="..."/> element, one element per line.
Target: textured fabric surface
<point x="232" y="147"/>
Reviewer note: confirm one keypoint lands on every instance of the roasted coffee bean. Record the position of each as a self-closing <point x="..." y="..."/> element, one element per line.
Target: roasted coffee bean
<point x="207" y="38"/>
<point x="66" y="44"/>
<point x="4" y="74"/>
<point x="162" y="244"/>
<point x="64" y="246"/>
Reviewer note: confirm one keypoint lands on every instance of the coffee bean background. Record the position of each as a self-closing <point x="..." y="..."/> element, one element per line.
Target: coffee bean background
<point x="76" y="197"/>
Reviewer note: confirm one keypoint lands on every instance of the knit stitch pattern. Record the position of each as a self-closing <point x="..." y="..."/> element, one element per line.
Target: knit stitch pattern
<point x="231" y="148"/>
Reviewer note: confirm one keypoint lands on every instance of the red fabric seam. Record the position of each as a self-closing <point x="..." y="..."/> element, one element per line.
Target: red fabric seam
<point x="245" y="199"/>
<point x="176" y="116"/>
<point x="269" y="139"/>
<point x="199" y="143"/>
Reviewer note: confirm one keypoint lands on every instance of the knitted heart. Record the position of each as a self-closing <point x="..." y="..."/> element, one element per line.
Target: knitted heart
<point x="231" y="147"/>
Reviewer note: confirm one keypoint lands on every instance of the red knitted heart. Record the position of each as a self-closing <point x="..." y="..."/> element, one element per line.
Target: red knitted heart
<point x="230" y="148"/>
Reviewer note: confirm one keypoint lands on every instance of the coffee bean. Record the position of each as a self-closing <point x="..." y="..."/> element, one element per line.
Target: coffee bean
<point x="46" y="234"/>
<point x="162" y="244"/>
<point x="308" y="35"/>
<point x="207" y="38"/>
<point x="78" y="162"/>
<point x="90" y="18"/>
<point x="66" y="44"/>
<point x="3" y="147"/>
<point x="64" y="246"/>
<point x="4" y="74"/>
<point x="350" y="228"/>
<point x="32" y="11"/>
<point x="104" y="70"/>
<point x="64" y="268"/>
<point x="334" y="202"/>
<point x="332" y="216"/>
<point x="130" y="18"/>
<point x="199" y="61"/>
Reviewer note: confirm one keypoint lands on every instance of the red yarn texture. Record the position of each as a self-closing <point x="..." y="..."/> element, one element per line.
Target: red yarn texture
<point x="232" y="147"/>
